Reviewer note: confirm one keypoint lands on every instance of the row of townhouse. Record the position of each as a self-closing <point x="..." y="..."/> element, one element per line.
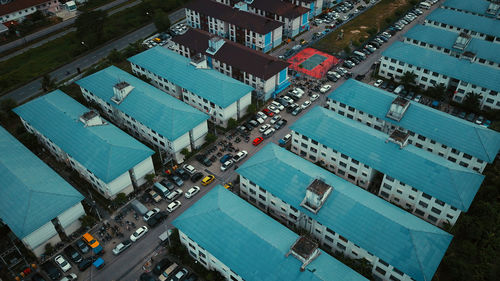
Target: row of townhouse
<point x="37" y="204"/>
<point x="295" y="18"/>
<point x="193" y="82"/>
<point x="109" y="159"/>
<point x="419" y="181"/>
<point x="267" y="74"/>
<point x="478" y="7"/>
<point x="224" y="233"/>
<point x="345" y="219"/>
<point x="161" y="120"/>
<point x="459" y="141"/>
<point x="235" y="23"/>
<point x="18" y="10"/>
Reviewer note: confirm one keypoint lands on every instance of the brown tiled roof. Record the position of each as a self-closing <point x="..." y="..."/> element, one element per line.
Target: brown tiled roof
<point x="285" y="9"/>
<point x="234" y="16"/>
<point x="18" y="5"/>
<point x="243" y="58"/>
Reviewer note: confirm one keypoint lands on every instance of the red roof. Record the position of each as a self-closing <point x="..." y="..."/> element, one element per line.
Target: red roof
<point x="17" y="5"/>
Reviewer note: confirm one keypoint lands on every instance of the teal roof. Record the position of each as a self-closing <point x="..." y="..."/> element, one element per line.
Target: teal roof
<point x="445" y="38"/>
<point x="467" y="21"/>
<point x="476" y="6"/>
<point x="207" y="83"/>
<point x="32" y="193"/>
<point x="388" y="232"/>
<point x="250" y="243"/>
<point x="439" y="126"/>
<point x="105" y="150"/>
<point x="423" y="170"/>
<point x="461" y="69"/>
<point x="165" y="114"/>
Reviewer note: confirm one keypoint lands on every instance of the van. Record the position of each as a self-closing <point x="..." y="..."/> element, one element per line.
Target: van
<point x="398" y="89"/>
<point x="424" y="5"/>
<point x="360" y="54"/>
<point x="167" y="272"/>
<point x="268" y="133"/>
<point x="138" y="207"/>
<point x="90" y="240"/>
<point x="160" y="189"/>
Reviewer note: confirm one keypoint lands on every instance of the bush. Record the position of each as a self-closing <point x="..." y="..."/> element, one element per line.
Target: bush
<point x="231" y="123"/>
<point x="372" y="31"/>
<point x="210" y="138"/>
<point x="120" y="199"/>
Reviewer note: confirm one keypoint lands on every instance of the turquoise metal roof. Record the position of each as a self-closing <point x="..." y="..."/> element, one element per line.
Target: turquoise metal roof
<point x="32" y="193"/>
<point x="467" y="21"/>
<point x="444" y="128"/>
<point x="250" y="243"/>
<point x="445" y="38"/>
<point x="390" y="233"/>
<point x="165" y="114"/>
<point x="461" y="69"/>
<point x="476" y="6"/>
<point x="207" y="83"/>
<point x="105" y="150"/>
<point x="423" y="170"/>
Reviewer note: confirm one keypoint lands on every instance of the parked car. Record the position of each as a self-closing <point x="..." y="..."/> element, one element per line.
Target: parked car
<point x="174" y="194"/>
<point x="150" y="213"/>
<point x="479" y="120"/>
<point x="141" y="231"/>
<point x="86" y="263"/>
<point x="157" y="219"/>
<point x="240" y="155"/>
<point x="62" y="263"/>
<point x="257" y="141"/>
<point x="173" y="206"/>
<point x="73" y="254"/>
<point x="226" y="158"/>
<point x="192" y="192"/>
<point x="189" y="169"/>
<point x="275" y="118"/>
<point x="197" y="176"/>
<point x="378" y="83"/>
<point x="306" y="104"/>
<point x="278" y="105"/>
<point x="296" y="111"/>
<point x="179" y="275"/>
<point x="325" y="88"/>
<point x="203" y="160"/>
<point x="182" y="174"/>
<point x="280" y="124"/>
<point x="157" y="198"/>
<point x="264" y="127"/>
<point x="177" y="180"/>
<point x="207" y="180"/>
<point x="161" y="266"/>
<point x="82" y="246"/>
<point x="285" y="140"/>
<point x="167" y="184"/>
<point x="70" y="277"/>
<point x="125" y="244"/>
<point x="273" y="109"/>
<point x="314" y="97"/>
<point x="51" y="270"/>
<point x="226" y="165"/>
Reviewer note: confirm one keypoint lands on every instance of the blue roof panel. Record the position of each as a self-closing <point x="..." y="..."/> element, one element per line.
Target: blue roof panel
<point x="259" y="245"/>
<point x="461" y="69"/>
<point x="390" y="233"/>
<point x="445" y="39"/>
<point x="476" y="6"/>
<point x="32" y="193"/>
<point x="444" y="128"/>
<point x="207" y="83"/>
<point x="165" y="114"/>
<point x="466" y="21"/>
<point x="430" y="173"/>
<point x="105" y="150"/>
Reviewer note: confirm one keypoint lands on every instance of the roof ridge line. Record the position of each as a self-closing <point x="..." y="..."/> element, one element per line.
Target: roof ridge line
<point x="416" y="254"/>
<point x="482" y="144"/>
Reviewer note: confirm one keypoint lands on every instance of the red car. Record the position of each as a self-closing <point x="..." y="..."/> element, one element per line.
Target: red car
<point x="257" y="141"/>
<point x="268" y="112"/>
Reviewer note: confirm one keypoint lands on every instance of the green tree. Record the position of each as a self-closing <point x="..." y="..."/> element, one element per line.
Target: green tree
<point x="49" y="249"/>
<point x="472" y="102"/>
<point x="437" y="92"/>
<point x="7" y="105"/>
<point x="115" y="56"/>
<point x="251" y="109"/>
<point x="161" y="20"/>
<point x="150" y="178"/>
<point x="87" y="221"/>
<point x="231" y="123"/>
<point x="90" y="27"/>
<point x="185" y="151"/>
<point x="48" y="84"/>
<point x="408" y="79"/>
<point x="120" y="199"/>
<point x="210" y="138"/>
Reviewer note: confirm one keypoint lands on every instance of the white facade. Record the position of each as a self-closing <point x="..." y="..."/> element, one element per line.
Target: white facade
<point x="330" y="241"/>
<point x="123" y="183"/>
<point x="206" y="259"/>
<point x="20" y="15"/>
<point x="190" y="140"/>
<point x="291" y="27"/>
<point x="420" y="141"/>
<point x="315" y="6"/>
<point x="218" y="115"/>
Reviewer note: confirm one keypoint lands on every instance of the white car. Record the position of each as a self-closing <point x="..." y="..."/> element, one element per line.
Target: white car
<point x="262" y="115"/>
<point x="226" y="165"/>
<point x="314" y="97"/>
<point x="192" y="192"/>
<point x="122" y="247"/>
<point x="240" y="155"/>
<point x="275" y="119"/>
<point x="141" y="231"/>
<point x="62" y="263"/>
<point x="325" y="88"/>
<point x="260" y="120"/>
<point x="306" y="104"/>
<point x="190" y="169"/>
<point x="273" y="109"/>
<point x="150" y="213"/>
<point x="288" y="99"/>
<point x="70" y="277"/>
<point x="278" y="105"/>
<point x="378" y="83"/>
<point x="264" y="128"/>
<point x="174" y="194"/>
<point x="173" y="206"/>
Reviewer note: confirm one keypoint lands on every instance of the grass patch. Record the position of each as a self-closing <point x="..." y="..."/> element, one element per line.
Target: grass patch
<point x="358" y="29"/>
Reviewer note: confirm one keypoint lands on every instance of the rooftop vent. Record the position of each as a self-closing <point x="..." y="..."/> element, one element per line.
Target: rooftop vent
<point x="493" y="8"/>
<point x="398" y="108"/>
<point x="462" y="41"/>
<point x="92" y="118"/>
<point x="199" y="61"/>
<point x="470" y="56"/>
<point x="316" y="194"/>
<point x="399" y="137"/>
<point x="305" y="250"/>
<point x="214" y="44"/>
<point x="121" y="91"/>
<point x="242" y="6"/>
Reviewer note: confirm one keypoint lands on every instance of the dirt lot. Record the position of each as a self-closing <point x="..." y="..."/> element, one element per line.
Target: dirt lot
<point x="359" y="27"/>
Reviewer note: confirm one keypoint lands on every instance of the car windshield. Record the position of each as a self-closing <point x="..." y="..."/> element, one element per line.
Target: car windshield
<point x="64" y="263"/>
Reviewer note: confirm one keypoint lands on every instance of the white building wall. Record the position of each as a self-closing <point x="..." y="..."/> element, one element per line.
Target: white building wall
<point x="71" y="215"/>
<point x="474" y="34"/>
<point x="142" y="169"/>
<point x="122" y="183"/>
<point x="37" y="239"/>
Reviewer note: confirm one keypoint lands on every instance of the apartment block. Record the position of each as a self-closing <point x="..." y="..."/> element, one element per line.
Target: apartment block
<point x="235" y="23"/>
<point x="17" y="11"/>
<point x="193" y="82"/>
<point x="477" y="7"/>
<point x="419" y="181"/>
<point x="168" y="124"/>
<point x="345" y="219"/>
<point x="457" y="140"/>
<point x="109" y="159"/>
<point x="260" y="248"/>
<point x="315" y="6"/>
<point x="267" y="74"/>
<point x="37" y="204"/>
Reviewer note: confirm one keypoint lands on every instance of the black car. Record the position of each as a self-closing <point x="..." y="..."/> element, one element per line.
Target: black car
<point x="82" y="246"/>
<point x="291" y="108"/>
<point x="252" y="124"/>
<point x="37" y="277"/>
<point x="161" y="266"/>
<point x="73" y="254"/>
<point x="146" y="277"/>
<point x="86" y="263"/>
<point x="51" y="270"/>
<point x="280" y="124"/>
<point x="170" y="186"/>
<point x="157" y="218"/>
<point x="359" y="77"/>
<point x="182" y="173"/>
<point x="197" y="176"/>
<point x="203" y="160"/>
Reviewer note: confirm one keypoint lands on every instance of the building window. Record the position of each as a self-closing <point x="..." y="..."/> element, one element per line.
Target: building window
<point x="380" y="270"/>
<point x="419" y="212"/>
<point x="435" y="210"/>
<point x="423" y="204"/>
